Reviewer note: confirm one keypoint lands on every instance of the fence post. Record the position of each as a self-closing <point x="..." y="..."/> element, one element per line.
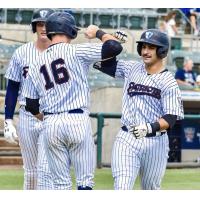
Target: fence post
<point x="100" y="124"/>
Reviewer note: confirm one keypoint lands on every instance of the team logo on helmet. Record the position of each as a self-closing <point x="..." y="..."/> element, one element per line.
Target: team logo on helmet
<point x="148" y="34"/>
<point x="43" y="13"/>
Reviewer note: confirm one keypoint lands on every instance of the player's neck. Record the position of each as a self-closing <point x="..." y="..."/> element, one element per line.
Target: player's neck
<point x="60" y="38"/>
<point x="42" y="45"/>
<point x="154" y="68"/>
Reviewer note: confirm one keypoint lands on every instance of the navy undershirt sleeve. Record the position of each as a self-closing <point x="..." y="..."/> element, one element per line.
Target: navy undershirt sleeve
<point x="11" y="98"/>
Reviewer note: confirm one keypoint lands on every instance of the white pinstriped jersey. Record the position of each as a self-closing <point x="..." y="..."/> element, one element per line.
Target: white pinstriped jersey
<point x="59" y="77"/>
<point x="146" y="98"/>
<point x="19" y="64"/>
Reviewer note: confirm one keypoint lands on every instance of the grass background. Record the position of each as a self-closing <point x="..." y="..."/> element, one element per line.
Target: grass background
<point x="174" y="179"/>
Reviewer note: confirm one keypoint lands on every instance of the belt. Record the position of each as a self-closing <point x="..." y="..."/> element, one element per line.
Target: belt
<point x="69" y="111"/>
<point x="124" y="128"/>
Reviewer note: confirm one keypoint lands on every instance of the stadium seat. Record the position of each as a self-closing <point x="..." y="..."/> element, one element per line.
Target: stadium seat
<point x="11" y="16"/>
<point x="176" y="43"/>
<point x="152" y="22"/>
<point x="136" y="22"/>
<point x="26" y="16"/>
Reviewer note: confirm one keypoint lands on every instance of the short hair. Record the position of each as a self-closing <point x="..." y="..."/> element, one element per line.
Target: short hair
<point x="186" y="59"/>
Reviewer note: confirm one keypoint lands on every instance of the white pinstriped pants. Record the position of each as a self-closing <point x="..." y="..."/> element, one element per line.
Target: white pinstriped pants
<point x="68" y="141"/>
<point x="146" y="157"/>
<point x="36" y="171"/>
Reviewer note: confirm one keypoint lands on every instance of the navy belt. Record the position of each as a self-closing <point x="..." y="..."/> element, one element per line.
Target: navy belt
<point x="70" y="111"/>
<point x="124" y="128"/>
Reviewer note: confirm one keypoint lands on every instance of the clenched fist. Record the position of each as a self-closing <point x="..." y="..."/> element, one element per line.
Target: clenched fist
<point x="91" y="31"/>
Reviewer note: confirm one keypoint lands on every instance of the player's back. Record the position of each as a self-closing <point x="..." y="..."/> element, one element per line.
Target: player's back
<point x="60" y="76"/>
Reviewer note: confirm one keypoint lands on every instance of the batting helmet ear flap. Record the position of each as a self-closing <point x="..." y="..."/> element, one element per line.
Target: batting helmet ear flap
<point x="74" y="33"/>
<point x="162" y="52"/>
<point x="139" y="48"/>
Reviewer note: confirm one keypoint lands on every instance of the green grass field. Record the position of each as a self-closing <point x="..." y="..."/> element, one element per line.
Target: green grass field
<point x="174" y="179"/>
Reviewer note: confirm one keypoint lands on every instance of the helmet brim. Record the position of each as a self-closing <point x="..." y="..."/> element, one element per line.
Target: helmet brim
<point x="156" y="43"/>
<point x="39" y="20"/>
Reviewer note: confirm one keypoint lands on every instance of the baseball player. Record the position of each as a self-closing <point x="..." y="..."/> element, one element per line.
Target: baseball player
<point x="151" y="105"/>
<point x="29" y="128"/>
<point x="60" y="87"/>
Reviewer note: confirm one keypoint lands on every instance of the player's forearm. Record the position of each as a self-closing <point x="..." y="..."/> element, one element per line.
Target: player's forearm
<point x="32" y="106"/>
<point x="11" y="98"/>
<point x="167" y="121"/>
<point x="163" y="124"/>
<point x="107" y="37"/>
<point x="93" y="31"/>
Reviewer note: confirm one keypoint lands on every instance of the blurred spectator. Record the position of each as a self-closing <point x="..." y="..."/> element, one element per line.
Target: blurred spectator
<point x="198" y="80"/>
<point x="192" y="14"/>
<point x="170" y="22"/>
<point x="186" y="76"/>
<point x="162" y="26"/>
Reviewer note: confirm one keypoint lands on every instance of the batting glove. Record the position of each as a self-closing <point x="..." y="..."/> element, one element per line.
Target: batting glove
<point x="141" y="130"/>
<point x="10" y="133"/>
<point x="121" y="36"/>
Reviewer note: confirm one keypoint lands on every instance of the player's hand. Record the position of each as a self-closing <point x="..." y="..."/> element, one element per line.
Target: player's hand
<point x="91" y="31"/>
<point x="10" y="133"/>
<point x="141" y="130"/>
<point x="121" y="36"/>
<point x="40" y="116"/>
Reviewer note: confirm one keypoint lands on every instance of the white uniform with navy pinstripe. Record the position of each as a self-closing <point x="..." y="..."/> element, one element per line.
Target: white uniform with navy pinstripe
<point x="146" y="98"/>
<point x="29" y="128"/>
<point x="59" y="79"/>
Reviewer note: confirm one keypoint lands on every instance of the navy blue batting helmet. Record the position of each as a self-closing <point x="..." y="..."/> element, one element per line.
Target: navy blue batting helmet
<point x="61" y="23"/>
<point x="40" y="15"/>
<point x="157" y="38"/>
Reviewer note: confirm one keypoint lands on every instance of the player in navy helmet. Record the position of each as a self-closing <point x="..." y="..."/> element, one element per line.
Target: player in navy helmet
<point x="151" y="105"/>
<point x="40" y="15"/>
<point x="60" y="84"/>
<point x="29" y="129"/>
<point x="61" y="23"/>
<point x="156" y="38"/>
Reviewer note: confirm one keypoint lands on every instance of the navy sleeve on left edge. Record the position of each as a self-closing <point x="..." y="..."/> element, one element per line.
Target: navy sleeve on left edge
<point x="11" y="98"/>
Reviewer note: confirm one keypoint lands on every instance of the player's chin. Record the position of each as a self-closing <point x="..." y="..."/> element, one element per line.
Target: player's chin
<point x="146" y="60"/>
<point x="43" y="37"/>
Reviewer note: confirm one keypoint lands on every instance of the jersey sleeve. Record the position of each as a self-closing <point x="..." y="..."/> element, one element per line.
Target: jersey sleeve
<point x="123" y="69"/>
<point x="172" y="102"/>
<point x="89" y="52"/>
<point x="30" y="90"/>
<point x="14" y="69"/>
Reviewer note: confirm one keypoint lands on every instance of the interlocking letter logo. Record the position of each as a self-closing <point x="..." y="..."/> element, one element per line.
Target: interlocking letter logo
<point x="43" y="13"/>
<point x="148" y="34"/>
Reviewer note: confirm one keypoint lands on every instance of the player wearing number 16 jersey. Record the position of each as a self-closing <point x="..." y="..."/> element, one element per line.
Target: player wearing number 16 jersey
<point x="59" y="82"/>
